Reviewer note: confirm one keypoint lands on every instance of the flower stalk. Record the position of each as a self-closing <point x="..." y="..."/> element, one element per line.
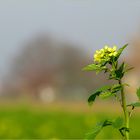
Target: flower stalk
<point x="106" y="60"/>
<point x="126" y="113"/>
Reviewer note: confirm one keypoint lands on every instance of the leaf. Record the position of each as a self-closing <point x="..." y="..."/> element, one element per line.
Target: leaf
<point x="123" y="129"/>
<point x="120" y="72"/>
<point x="105" y="95"/>
<point x="96" y="93"/>
<point x="104" y="88"/>
<point x="138" y="93"/>
<point x="118" y="123"/>
<point x="95" y="67"/>
<point x="121" y="68"/>
<point x="120" y="51"/>
<point x="117" y="74"/>
<point x="104" y="92"/>
<point x="94" y="132"/>
<point x="91" y="67"/>
<point x="115" y="88"/>
<point x="97" y="129"/>
<point x="128" y="69"/>
<point x="92" y="98"/>
<point x="107" y="122"/>
<point x="136" y="104"/>
<point x="111" y="91"/>
<point x="125" y="84"/>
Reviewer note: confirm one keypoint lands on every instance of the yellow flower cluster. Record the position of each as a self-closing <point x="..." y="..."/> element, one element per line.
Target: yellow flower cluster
<point x="105" y="54"/>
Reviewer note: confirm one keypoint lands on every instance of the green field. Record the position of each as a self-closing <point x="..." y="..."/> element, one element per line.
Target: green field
<point x="23" y="122"/>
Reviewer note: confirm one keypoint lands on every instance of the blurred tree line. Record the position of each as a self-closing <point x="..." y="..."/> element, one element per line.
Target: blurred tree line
<point x="46" y="62"/>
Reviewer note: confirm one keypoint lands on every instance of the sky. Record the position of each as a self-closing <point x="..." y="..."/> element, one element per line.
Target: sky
<point x="91" y="23"/>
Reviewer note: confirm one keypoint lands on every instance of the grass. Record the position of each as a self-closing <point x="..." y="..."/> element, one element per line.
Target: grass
<point x="26" y="123"/>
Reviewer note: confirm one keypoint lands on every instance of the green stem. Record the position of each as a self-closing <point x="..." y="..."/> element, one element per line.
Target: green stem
<point x="126" y="113"/>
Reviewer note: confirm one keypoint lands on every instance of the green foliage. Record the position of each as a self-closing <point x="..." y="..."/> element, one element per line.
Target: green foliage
<point x="136" y="104"/>
<point x="128" y="69"/>
<point x="97" y="129"/>
<point x="107" y="60"/>
<point x="123" y="130"/>
<point x="118" y="123"/>
<point x="105" y="95"/>
<point x="94" y="132"/>
<point x="120" y="72"/>
<point x="91" y="67"/>
<point x="138" y="93"/>
<point x="94" y="67"/>
<point x="120" y="51"/>
<point x="92" y="97"/>
<point x="115" y="88"/>
<point x="96" y="93"/>
<point x="117" y="74"/>
<point x="104" y="92"/>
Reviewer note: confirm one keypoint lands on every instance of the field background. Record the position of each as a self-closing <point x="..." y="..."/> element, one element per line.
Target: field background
<point x="44" y="44"/>
<point x="59" y="121"/>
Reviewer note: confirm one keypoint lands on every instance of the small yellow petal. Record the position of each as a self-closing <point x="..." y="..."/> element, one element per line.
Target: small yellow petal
<point x="97" y="51"/>
<point x="102" y="54"/>
<point x="109" y="49"/>
<point x="110" y="54"/>
<point x="114" y="48"/>
<point x="115" y="53"/>
<point x="106" y="47"/>
<point x="102" y="50"/>
<point x="95" y="55"/>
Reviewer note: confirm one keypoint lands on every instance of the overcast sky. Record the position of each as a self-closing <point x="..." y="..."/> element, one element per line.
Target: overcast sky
<point x="92" y="23"/>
